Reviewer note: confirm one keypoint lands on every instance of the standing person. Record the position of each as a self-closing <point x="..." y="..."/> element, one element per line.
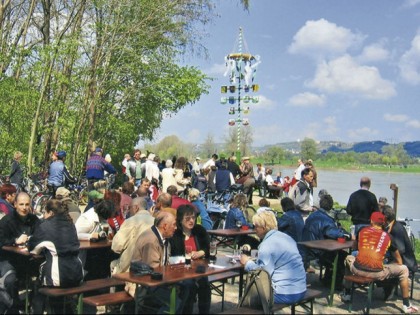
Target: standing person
<point x="168" y="176"/>
<point x="126" y="191"/>
<point x="96" y="165"/>
<point x="15" y="229"/>
<point x="7" y="199"/>
<point x="190" y="234"/>
<point x="179" y="168"/>
<point x="362" y="203"/>
<point x="260" y="182"/>
<point x="196" y="166"/>
<point x="62" y="267"/>
<point x="153" y="248"/>
<point x="373" y="243"/>
<point x="58" y="175"/>
<point x="193" y="196"/>
<point x="16" y="173"/>
<point x="382" y="202"/>
<point x="135" y="167"/>
<point x="126" y="167"/>
<point x="223" y="178"/>
<point x="233" y="167"/>
<point x="309" y="164"/>
<point x="279" y="256"/>
<point x="298" y="171"/>
<point x="152" y="169"/>
<point x="302" y="194"/>
<point x="211" y="162"/>
<point x="247" y="177"/>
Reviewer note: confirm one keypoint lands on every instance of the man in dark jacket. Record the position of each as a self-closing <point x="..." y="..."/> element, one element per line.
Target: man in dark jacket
<point x="15" y="229"/>
<point x="291" y="222"/>
<point x="319" y="226"/>
<point x="362" y="203"/>
<point x="223" y="178"/>
<point x="96" y="165"/>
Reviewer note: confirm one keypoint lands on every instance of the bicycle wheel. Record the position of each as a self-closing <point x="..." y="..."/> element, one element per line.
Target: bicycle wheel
<point x="413" y="241"/>
<point x="249" y="212"/>
<point x="40" y="203"/>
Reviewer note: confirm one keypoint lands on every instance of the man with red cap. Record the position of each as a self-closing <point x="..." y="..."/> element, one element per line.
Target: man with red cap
<point x="373" y="243"/>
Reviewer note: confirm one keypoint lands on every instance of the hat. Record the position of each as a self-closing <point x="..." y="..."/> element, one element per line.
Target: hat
<point x="377" y="217"/>
<point x="94" y="194"/>
<point x="142" y="155"/>
<point x="62" y="191"/>
<point x="197" y="158"/>
<point x="245" y="158"/>
<point x="98" y="149"/>
<point x="61" y="154"/>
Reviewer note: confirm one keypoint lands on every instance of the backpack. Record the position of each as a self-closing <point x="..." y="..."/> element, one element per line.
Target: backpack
<point x="293" y="191"/>
<point x="258" y="291"/>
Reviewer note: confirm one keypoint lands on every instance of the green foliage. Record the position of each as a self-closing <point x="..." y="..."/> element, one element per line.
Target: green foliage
<point x="308" y="149"/>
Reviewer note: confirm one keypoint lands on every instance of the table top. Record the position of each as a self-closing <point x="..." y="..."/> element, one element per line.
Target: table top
<point x="328" y="244"/>
<point x="177" y="273"/>
<point x="93" y="245"/>
<point x="17" y="250"/>
<point x="230" y="232"/>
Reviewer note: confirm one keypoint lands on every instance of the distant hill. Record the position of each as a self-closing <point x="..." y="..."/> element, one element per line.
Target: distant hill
<point x="412" y="148"/>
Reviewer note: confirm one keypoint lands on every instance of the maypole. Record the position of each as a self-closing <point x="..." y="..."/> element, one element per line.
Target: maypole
<point x="241" y="66"/>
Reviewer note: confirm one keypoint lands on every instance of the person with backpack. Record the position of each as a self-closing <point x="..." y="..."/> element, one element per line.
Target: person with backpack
<point x="301" y="193"/>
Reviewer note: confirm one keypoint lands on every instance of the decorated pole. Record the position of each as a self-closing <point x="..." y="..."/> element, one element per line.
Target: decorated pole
<point x="241" y="68"/>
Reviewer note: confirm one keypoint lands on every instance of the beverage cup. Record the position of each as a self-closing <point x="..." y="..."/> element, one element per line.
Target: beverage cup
<point x="188" y="252"/>
<point x="213" y="252"/>
<point x="105" y="228"/>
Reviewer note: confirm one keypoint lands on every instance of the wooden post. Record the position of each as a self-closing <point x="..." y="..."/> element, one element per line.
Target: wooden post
<point x="394" y="188"/>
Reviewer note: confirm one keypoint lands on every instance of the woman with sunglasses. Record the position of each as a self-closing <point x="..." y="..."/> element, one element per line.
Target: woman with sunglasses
<point x="189" y="233"/>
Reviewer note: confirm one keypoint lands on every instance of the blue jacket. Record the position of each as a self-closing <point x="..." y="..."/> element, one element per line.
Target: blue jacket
<point x="96" y="165"/>
<point x="292" y="224"/>
<point x="279" y="256"/>
<point x="222" y="180"/>
<point x="319" y="226"/>
<point x="233" y="215"/>
<point x="206" y="222"/>
<point x="59" y="175"/>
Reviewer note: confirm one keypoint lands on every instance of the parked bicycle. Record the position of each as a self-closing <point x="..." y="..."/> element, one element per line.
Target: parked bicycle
<point x="406" y="223"/>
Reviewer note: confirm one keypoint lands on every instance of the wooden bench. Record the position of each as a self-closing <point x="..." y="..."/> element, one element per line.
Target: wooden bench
<point x="87" y="286"/>
<point x="309" y="297"/>
<point x="108" y="299"/>
<point x="360" y="281"/>
<point x="219" y="288"/>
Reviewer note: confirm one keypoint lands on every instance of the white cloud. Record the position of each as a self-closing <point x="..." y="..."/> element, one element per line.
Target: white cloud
<point x="330" y="127"/>
<point x="307" y="99"/>
<point x="344" y="75"/>
<point x="323" y="37"/>
<point x="364" y="133"/>
<point x="411" y="3"/>
<point x="410" y="63"/>
<point x="413" y="123"/>
<point x="374" y="52"/>
<point x="396" y="118"/>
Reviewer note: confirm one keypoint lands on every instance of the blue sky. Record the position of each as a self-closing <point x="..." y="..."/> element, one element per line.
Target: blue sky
<point x="330" y="70"/>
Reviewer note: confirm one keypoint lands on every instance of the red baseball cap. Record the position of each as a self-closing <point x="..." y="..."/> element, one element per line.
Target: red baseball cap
<point x="377" y="217"/>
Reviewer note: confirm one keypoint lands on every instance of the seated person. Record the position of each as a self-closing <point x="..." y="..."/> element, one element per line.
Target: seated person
<point x="190" y="234"/>
<point x="274" y="188"/>
<point x="291" y="222"/>
<point x="400" y="240"/>
<point x="90" y="223"/>
<point x="205" y="221"/>
<point x="264" y="205"/>
<point x="199" y="181"/>
<point x="279" y="256"/>
<point x="236" y="214"/>
<point x="7" y="199"/>
<point x="373" y="243"/>
<point x="63" y="267"/>
<point x="153" y="248"/>
<point x="318" y="226"/>
<point x="176" y="200"/>
<point x="63" y="194"/>
<point x="15" y="229"/>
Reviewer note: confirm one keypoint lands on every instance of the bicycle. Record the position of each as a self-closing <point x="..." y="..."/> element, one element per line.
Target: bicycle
<point x="406" y="223"/>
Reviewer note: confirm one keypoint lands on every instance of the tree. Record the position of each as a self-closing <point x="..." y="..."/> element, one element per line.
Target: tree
<point x="246" y="138"/>
<point x="209" y="147"/>
<point x="308" y="149"/>
<point x="274" y="154"/>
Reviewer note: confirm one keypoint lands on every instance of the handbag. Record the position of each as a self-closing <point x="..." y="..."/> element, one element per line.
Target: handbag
<point x="140" y="268"/>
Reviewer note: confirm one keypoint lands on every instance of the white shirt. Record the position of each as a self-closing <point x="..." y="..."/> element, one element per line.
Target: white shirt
<point x="209" y="164"/>
<point x="87" y="224"/>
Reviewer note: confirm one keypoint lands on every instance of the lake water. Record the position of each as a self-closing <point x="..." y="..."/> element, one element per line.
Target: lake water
<point x="341" y="184"/>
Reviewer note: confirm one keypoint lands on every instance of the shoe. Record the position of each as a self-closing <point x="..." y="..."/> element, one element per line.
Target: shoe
<point x="410" y="309"/>
<point x="346" y="298"/>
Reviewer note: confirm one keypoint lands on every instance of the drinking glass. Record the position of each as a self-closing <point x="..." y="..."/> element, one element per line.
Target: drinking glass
<point x="213" y="252"/>
<point x="126" y="208"/>
<point x="188" y="252"/>
<point x="238" y="224"/>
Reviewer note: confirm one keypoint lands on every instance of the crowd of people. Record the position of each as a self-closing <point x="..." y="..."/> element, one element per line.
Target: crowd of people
<point x="158" y="213"/>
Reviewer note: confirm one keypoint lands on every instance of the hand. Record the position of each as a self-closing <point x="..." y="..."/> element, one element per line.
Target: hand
<point x="197" y="255"/>
<point x="21" y="239"/>
<point x="244" y="259"/>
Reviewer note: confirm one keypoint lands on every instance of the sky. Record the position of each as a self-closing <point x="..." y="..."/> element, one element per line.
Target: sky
<point x="330" y="70"/>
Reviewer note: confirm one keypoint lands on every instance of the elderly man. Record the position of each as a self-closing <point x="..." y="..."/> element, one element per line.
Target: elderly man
<point x="373" y="243"/>
<point x="153" y="248"/>
<point x="15" y="229"/>
<point x="163" y="203"/>
<point x="125" y="240"/>
<point x="176" y="200"/>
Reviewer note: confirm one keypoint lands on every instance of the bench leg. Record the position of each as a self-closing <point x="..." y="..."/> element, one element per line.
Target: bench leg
<point x="223" y="296"/>
<point x="370" y="291"/>
<point x="80" y="304"/>
<point x="351" y="297"/>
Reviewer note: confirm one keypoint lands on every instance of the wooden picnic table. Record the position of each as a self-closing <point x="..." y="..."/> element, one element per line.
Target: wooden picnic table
<point x="225" y="236"/>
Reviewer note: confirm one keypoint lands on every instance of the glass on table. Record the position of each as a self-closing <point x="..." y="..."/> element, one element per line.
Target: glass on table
<point x="238" y="224"/>
<point x="213" y="252"/>
<point x="188" y="252"/>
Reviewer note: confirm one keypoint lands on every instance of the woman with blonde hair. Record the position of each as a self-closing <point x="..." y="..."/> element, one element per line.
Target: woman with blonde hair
<point x="279" y="256"/>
